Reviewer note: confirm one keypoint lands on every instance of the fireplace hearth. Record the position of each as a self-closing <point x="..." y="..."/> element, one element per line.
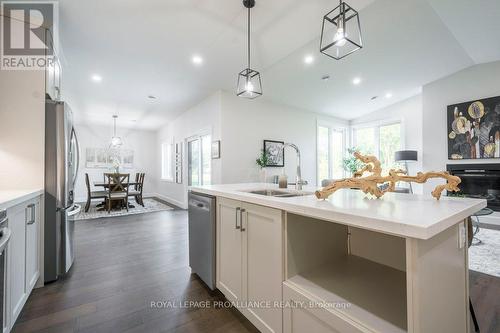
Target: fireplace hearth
<point x="479" y="181"/>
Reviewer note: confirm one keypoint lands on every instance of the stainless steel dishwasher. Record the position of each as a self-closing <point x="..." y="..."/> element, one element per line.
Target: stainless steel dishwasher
<point x="202" y="237"/>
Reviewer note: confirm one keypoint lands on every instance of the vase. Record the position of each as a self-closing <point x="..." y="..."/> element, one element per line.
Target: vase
<point x="263" y="175"/>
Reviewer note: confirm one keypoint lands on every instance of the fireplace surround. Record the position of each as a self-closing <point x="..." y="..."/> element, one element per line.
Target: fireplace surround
<point x="479" y="181"/>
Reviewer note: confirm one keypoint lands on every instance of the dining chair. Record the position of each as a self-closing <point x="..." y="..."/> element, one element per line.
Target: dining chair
<point x="117" y="188"/>
<point x="92" y="194"/>
<point x="138" y="187"/>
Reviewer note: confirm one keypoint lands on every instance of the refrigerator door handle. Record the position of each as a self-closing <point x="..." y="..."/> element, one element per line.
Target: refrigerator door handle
<point x="77" y="156"/>
<point x="76" y="209"/>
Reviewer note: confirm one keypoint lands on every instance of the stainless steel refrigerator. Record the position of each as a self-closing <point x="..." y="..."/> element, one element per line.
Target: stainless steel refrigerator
<point x="62" y="157"/>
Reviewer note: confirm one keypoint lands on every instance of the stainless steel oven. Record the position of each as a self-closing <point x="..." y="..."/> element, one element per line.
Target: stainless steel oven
<point x="4" y="239"/>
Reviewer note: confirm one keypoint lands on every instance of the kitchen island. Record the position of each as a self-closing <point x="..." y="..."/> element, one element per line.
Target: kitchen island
<point x="293" y="263"/>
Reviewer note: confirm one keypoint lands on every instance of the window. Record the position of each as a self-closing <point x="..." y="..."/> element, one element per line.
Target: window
<point x="199" y="160"/>
<point x="167" y="162"/>
<point x="381" y="140"/>
<point x="330" y="152"/>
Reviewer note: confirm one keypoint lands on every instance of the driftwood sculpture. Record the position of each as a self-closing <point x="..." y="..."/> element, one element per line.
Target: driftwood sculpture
<point x="369" y="184"/>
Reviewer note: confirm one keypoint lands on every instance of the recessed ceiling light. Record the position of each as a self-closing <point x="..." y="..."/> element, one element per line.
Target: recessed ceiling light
<point x="356" y="81"/>
<point x="308" y="59"/>
<point x="197" y="60"/>
<point x="388" y="95"/>
<point x="325" y="77"/>
<point x="96" y="78"/>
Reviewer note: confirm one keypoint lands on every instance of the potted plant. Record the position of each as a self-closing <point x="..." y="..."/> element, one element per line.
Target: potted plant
<point x="116" y="164"/>
<point x="351" y="164"/>
<point x="262" y="162"/>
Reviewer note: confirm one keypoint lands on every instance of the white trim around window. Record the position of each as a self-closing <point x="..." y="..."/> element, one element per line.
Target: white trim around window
<point x="167" y="162"/>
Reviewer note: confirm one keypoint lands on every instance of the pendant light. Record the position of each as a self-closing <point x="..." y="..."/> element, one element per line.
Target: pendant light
<point x="116" y="141"/>
<point x="249" y="81"/>
<point x="341" y="32"/>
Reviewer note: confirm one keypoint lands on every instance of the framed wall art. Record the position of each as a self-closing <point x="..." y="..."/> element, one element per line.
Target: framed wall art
<point x="474" y="129"/>
<point x="276" y="153"/>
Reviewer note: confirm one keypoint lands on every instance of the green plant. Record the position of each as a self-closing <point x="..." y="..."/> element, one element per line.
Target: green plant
<point x="263" y="159"/>
<point x="351" y="163"/>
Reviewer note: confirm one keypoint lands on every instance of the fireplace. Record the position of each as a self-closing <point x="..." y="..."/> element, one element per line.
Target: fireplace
<point x="479" y="181"/>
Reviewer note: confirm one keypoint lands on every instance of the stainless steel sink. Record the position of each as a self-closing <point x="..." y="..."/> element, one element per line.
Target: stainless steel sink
<point x="278" y="194"/>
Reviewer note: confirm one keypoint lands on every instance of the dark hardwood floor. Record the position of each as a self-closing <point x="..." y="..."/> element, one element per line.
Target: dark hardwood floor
<point x="125" y="263"/>
<point x="485" y="296"/>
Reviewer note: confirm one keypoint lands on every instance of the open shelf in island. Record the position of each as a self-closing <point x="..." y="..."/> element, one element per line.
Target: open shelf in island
<point x="356" y="275"/>
<point x="369" y="293"/>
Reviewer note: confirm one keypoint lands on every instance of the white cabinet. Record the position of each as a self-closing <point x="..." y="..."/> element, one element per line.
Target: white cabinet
<point x="52" y="70"/>
<point x="250" y="260"/>
<point x="23" y="256"/>
<point x="229" y="250"/>
<point x="32" y="244"/>
<point x="16" y="254"/>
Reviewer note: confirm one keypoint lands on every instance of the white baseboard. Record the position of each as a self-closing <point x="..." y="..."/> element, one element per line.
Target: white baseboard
<point x="170" y="200"/>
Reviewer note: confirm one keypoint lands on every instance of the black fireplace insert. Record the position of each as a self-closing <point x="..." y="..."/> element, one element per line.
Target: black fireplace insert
<point x="480" y="181"/>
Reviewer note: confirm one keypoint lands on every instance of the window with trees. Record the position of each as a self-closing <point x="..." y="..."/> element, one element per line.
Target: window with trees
<point x="381" y="140"/>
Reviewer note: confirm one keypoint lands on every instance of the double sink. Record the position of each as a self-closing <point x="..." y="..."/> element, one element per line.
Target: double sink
<point x="279" y="194"/>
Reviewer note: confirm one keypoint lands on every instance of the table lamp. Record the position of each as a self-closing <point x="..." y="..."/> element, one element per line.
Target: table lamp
<point x="406" y="156"/>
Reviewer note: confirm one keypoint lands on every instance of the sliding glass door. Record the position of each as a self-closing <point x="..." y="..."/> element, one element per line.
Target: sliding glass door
<point x="199" y="160"/>
<point x="330" y="152"/>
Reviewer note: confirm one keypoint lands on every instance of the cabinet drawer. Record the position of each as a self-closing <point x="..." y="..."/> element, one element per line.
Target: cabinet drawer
<point x="305" y="318"/>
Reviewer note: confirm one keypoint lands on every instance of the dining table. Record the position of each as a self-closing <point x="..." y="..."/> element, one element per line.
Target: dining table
<point x="105" y="185"/>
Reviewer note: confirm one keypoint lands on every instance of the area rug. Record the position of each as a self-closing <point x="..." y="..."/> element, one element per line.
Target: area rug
<point x="484" y="257"/>
<point x="150" y="205"/>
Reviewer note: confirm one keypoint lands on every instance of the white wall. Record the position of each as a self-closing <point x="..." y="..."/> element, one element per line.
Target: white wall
<point x="246" y="123"/>
<point x="203" y="118"/>
<point x="475" y="82"/>
<point x="409" y="112"/>
<point x="143" y="144"/>
<point x="242" y="125"/>
<point x="22" y="131"/>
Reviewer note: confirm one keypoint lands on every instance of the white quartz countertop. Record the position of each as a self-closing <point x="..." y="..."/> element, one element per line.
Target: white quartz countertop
<point x="10" y="198"/>
<point x="405" y="215"/>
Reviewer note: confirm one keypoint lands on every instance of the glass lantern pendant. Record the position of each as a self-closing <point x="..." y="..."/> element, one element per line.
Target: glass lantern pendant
<point x="249" y="81"/>
<point x="341" y="32"/>
<point x="116" y="141"/>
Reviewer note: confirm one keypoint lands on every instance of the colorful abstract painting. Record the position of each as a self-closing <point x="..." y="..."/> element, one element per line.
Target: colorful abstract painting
<point x="474" y="129"/>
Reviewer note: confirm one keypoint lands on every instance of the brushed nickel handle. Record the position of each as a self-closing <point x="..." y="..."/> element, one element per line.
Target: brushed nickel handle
<point x="241" y="220"/>
<point x="238" y="209"/>
<point x="32" y="219"/>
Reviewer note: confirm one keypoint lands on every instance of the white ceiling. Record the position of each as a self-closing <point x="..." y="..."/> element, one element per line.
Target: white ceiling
<point x="143" y="48"/>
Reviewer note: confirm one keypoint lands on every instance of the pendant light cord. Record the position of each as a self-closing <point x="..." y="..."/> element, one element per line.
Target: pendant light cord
<point x="249" y="38"/>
